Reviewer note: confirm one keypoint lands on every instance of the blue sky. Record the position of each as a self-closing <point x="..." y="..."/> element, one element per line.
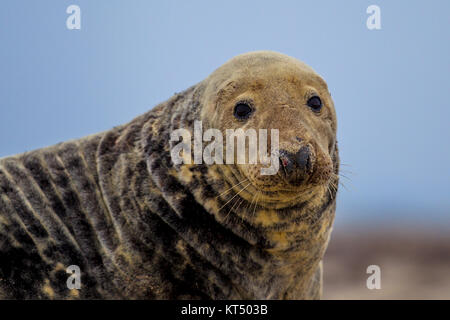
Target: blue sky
<point x="391" y="86"/>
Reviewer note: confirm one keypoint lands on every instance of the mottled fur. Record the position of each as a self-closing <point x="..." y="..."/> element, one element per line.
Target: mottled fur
<point x="140" y="227"/>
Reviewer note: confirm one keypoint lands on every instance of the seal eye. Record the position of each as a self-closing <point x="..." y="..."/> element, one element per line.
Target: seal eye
<point x="242" y="111"/>
<point x="315" y="103"/>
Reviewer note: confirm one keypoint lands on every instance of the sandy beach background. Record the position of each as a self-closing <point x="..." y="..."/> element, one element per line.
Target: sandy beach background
<point x="414" y="263"/>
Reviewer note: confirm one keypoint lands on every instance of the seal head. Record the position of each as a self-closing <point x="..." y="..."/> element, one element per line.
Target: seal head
<point x="274" y="91"/>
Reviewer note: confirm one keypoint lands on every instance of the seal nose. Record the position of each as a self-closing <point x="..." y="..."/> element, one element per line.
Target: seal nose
<point x="296" y="165"/>
<point x="303" y="158"/>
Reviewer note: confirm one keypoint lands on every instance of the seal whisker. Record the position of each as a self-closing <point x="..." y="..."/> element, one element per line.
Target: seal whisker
<point x="234" y="196"/>
<point x="329" y="191"/>
<point x="228" y="190"/>
<point x="334" y="186"/>
<point x="242" y="200"/>
<point x="238" y="201"/>
<point x="342" y="184"/>
<point x="344" y="176"/>
<point x="249" y="205"/>
<point x="345" y="165"/>
<point x="256" y="204"/>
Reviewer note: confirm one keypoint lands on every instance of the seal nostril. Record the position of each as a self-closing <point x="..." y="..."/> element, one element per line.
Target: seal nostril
<point x="302" y="158"/>
<point x="286" y="162"/>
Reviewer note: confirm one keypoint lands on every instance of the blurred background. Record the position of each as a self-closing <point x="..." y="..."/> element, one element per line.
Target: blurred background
<point x="391" y="89"/>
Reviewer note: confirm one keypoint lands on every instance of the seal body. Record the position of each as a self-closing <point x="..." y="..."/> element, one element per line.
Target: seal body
<point x="139" y="226"/>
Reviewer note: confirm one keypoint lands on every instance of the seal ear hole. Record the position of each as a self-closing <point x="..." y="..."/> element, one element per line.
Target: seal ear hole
<point x="242" y="110"/>
<point x="314" y="103"/>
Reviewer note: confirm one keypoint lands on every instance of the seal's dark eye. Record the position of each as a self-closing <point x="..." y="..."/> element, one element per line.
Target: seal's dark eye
<point x="242" y="111"/>
<point x="315" y="103"/>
